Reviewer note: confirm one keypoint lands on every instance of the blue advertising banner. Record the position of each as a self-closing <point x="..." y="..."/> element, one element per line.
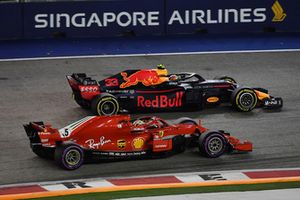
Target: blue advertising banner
<point x="94" y="18"/>
<point x="236" y="16"/>
<point x="11" y="22"/>
<point x="76" y="19"/>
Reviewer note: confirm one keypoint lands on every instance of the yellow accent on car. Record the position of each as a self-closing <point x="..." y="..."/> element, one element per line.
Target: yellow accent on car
<point x="121" y="144"/>
<point x="138" y="143"/>
<point x="261" y="95"/>
<point x="212" y="99"/>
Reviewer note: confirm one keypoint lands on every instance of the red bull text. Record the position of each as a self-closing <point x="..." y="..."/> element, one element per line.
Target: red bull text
<point x="160" y="101"/>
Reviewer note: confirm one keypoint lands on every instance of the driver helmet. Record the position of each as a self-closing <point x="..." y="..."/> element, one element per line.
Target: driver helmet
<point x="138" y="122"/>
<point x="161" y="70"/>
<point x="160" y="66"/>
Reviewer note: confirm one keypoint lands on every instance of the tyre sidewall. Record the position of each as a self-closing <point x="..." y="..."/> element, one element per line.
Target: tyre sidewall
<point x="178" y="144"/>
<point x="62" y="151"/>
<point x="237" y="99"/>
<point x="102" y="101"/>
<point x="205" y="142"/>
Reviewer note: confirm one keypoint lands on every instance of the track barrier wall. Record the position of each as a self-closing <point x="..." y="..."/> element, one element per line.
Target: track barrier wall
<point x="79" y="19"/>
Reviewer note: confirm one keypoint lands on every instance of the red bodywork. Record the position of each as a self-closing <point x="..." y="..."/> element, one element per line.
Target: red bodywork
<point x="119" y="134"/>
<point x="88" y="92"/>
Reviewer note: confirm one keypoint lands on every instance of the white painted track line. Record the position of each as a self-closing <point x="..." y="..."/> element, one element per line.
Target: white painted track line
<point x="150" y="54"/>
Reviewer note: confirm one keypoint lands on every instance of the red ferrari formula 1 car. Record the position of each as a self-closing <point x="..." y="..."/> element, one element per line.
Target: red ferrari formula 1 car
<point x="119" y="136"/>
<point x="151" y="90"/>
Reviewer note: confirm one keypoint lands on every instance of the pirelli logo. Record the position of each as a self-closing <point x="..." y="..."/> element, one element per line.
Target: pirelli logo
<point x="279" y="14"/>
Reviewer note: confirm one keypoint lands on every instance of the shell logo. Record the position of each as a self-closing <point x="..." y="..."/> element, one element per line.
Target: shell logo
<point x="138" y="143"/>
<point x="212" y="99"/>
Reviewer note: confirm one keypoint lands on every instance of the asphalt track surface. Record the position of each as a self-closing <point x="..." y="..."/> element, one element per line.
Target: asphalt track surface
<point x="38" y="90"/>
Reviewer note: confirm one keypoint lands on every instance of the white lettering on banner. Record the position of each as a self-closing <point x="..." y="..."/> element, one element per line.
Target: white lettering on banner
<point x="125" y="19"/>
<point x="82" y="20"/>
<point x="40" y="19"/>
<point x="260" y="15"/>
<point x="243" y="15"/>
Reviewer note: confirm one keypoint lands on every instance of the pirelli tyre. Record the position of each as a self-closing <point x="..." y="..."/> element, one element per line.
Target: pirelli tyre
<point x="212" y="144"/>
<point x="178" y="143"/>
<point x="185" y="120"/>
<point x="226" y="78"/>
<point x="244" y="99"/>
<point x="69" y="156"/>
<point x="105" y="104"/>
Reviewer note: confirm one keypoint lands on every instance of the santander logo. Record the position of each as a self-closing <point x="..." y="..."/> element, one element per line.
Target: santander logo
<point x="160" y="101"/>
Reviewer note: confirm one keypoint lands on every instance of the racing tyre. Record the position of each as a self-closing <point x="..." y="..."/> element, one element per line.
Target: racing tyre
<point x="69" y="156"/>
<point x="244" y="99"/>
<point x="185" y="120"/>
<point x="178" y="144"/>
<point x="226" y="78"/>
<point x="105" y="104"/>
<point x="212" y="144"/>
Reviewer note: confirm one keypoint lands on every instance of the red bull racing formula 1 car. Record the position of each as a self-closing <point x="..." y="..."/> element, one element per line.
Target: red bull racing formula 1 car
<point x="119" y="136"/>
<point x="156" y="90"/>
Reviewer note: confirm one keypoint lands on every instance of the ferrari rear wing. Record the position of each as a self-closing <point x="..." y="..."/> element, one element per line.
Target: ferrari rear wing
<point x="33" y="127"/>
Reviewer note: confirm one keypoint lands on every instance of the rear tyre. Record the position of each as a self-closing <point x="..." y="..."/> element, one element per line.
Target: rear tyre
<point x="244" y="99"/>
<point x="185" y="120"/>
<point x="226" y="78"/>
<point x="105" y="104"/>
<point x="69" y="156"/>
<point x="41" y="152"/>
<point x="212" y="144"/>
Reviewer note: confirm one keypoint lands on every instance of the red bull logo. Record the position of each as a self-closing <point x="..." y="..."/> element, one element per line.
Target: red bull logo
<point x="160" y="101"/>
<point x="146" y="77"/>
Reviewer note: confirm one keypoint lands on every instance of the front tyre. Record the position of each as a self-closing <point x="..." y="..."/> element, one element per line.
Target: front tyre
<point x="178" y="144"/>
<point x="212" y="144"/>
<point x="69" y="156"/>
<point x="244" y="99"/>
<point x="105" y="104"/>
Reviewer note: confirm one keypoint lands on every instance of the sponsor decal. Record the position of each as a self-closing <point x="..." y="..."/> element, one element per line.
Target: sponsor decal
<point x="278" y="11"/>
<point x="93" y="145"/>
<point x="212" y="177"/>
<point x="138" y="143"/>
<point x="121" y="91"/>
<point x="44" y="140"/>
<point x="139" y="153"/>
<point x="76" y="184"/>
<point x="160" y="101"/>
<point x="146" y="77"/>
<point x="160" y="146"/>
<point x="105" y="19"/>
<point x="220" y="16"/>
<point x="212" y="99"/>
<point x="121" y="143"/>
<point x="161" y="133"/>
<point x="88" y="88"/>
